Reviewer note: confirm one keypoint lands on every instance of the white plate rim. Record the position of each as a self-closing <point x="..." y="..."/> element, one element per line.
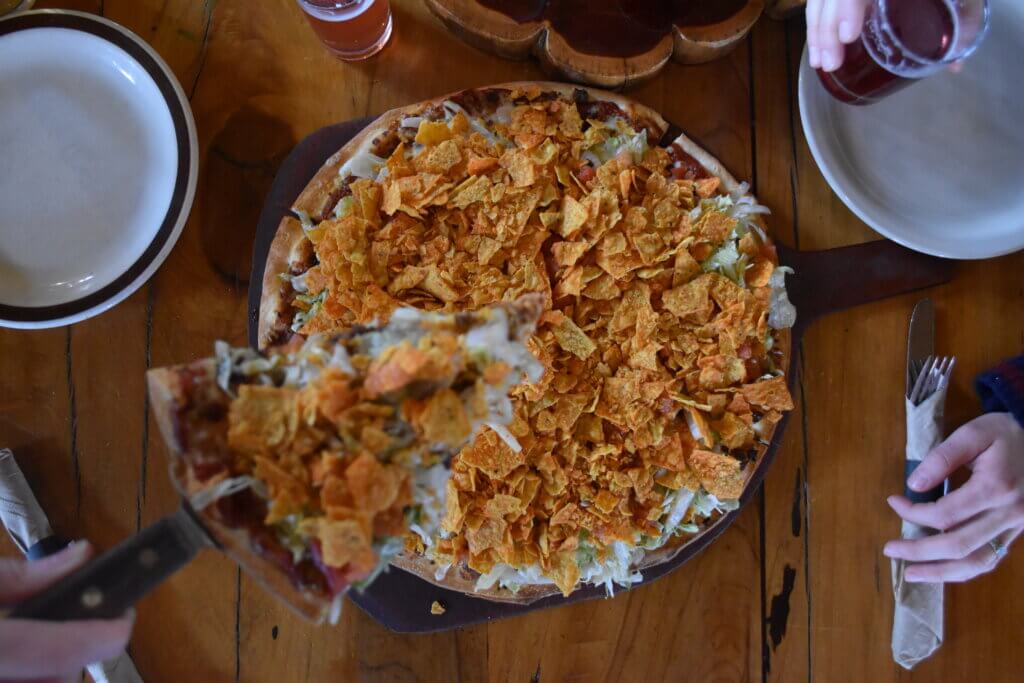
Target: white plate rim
<point x="807" y="79"/>
<point x="29" y="318"/>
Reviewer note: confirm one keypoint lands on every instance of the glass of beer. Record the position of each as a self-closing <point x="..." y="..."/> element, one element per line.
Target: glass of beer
<point x="904" y="41"/>
<point x="351" y="29"/>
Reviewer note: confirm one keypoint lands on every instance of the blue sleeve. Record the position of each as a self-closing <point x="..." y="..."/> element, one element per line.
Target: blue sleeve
<point x="1001" y="389"/>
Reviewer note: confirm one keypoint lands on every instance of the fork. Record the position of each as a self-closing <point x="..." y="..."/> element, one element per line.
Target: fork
<point x="931" y="375"/>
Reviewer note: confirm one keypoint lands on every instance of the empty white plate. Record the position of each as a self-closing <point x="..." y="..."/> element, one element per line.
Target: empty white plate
<point x="939" y="166"/>
<point x="98" y="166"/>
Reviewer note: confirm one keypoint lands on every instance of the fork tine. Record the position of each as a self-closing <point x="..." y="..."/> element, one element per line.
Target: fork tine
<point x="918" y="366"/>
<point x="929" y="381"/>
<point x="922" y="378"/>
<point x="939" y="372"/>
<point x="933" y="376"/>
<point x="949" y="372"/>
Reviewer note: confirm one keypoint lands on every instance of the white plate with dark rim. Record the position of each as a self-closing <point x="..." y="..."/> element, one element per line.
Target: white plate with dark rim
<point x="939" y="166"/>
<point x="98" y="166"/>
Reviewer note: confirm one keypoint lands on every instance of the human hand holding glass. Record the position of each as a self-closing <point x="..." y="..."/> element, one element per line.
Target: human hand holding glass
<point x="865" y="50"/>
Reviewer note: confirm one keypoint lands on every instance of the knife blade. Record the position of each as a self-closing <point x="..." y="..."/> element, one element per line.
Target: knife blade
<point x="920" y="345"/>
<point x="920" y="338"/>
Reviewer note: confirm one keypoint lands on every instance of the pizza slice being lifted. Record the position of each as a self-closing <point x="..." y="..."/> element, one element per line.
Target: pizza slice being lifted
<point x="309" y="464"/>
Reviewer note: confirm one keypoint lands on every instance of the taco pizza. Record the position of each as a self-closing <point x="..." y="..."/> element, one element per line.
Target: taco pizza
<point x="304" y="463"/>
<point x="664" y="335"/>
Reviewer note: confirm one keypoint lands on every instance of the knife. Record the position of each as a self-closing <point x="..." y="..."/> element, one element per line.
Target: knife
<point x="920" y="339"/>
<point x="106" y="587"/>
<point x="920" y="345"/>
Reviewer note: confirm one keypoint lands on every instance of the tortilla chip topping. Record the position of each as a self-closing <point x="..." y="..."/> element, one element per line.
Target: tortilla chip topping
<point x="662" y="373"/>
<point x="325" y="439"/>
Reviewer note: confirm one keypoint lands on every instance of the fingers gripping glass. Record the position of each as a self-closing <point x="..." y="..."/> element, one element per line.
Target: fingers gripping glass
<point x="904" y="41"/>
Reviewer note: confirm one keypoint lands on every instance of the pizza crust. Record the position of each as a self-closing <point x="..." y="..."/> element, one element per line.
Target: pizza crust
<point x="166" y="395"/>
<point x="287" y="245"/>
<point x="710" y="163"/>
<point x="317" y="193"/>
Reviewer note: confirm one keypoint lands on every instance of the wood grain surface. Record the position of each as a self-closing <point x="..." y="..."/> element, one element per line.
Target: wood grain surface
<point x="796" y="590"/>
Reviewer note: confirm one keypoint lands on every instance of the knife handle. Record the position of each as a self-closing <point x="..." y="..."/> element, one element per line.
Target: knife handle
<point x="929" y="496"/>
<point x="109" y="585"/>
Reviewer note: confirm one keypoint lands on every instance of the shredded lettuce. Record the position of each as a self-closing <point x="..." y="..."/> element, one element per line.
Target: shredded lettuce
<point x="728" y="261"/>
<point x="362" y="165"/>
<point x="634" y="143"/>
<point x="334" y="613"/>
<point x="288" y="533"/>
<point x="451" y="109"/>
<point x="512" y="578"/>
<point x="676" y="505"/>
<point x="781" y="313"/>
<point x="615" y="568"/>
<point x="241" y="361"/>
<point x="341" y="360"/>
<point x="694" y="429"/>
<point x="305" y="219"/>
<point x="508" y="437"/>
<point x="226" y="487"/>
<point x="492" y="339"/>
<point x="585" y="553"/>
<point x="344" y="206"/>
<point x="314" y="301"/>
<point x="386" y="550"/>
<point x="705" y="503"/>
<point x="428" y="492"/>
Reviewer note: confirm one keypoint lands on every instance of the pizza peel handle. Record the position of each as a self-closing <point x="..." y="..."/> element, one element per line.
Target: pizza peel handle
<point x="112" y="583"/>
<point x="837" y="279"/>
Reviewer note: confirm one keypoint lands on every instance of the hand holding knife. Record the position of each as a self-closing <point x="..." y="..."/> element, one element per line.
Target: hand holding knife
<point x="29" y="528"/>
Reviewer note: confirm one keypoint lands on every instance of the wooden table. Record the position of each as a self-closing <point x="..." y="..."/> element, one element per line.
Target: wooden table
<point x="796" y="589"/>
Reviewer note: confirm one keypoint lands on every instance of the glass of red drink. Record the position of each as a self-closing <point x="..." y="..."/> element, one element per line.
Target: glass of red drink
<point x="351" y="29"/>
<point x="904" y="41"/>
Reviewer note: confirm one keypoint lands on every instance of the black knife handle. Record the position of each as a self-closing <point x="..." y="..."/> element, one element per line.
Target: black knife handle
<point x="929" y="496"/>
<point x="107" y="586"/>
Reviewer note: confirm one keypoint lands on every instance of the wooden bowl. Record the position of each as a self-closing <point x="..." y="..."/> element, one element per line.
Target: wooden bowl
<point x="609" y="43"/>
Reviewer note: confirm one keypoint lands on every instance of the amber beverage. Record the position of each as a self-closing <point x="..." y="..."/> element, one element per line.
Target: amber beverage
<point x="351" y="29"/>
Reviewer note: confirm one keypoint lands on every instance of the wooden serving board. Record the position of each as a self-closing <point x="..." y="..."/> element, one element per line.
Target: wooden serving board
<point x="824" y="281"/>
<point x="609" y="43"/>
